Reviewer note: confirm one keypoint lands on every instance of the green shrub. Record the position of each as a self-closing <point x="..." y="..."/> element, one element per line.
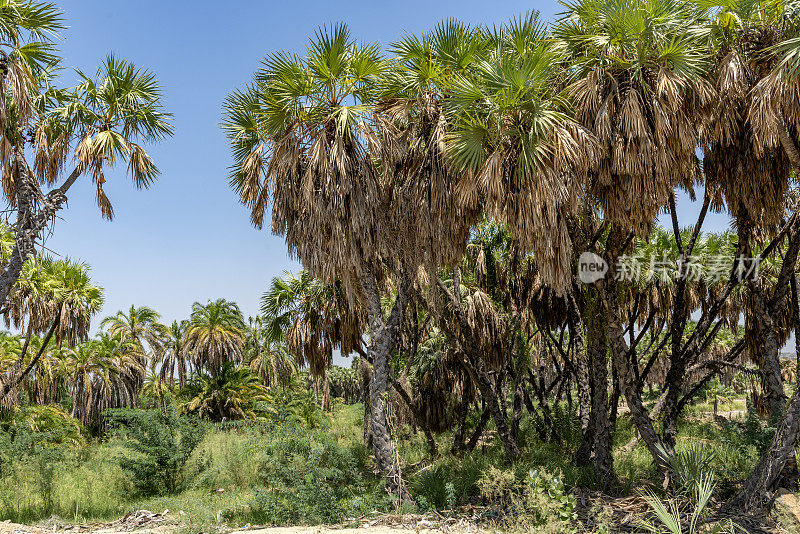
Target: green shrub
<point x="539" y="500"/>
<point x="447" y="483"/>
<point x="306" y="478"/>
<point x="41" y="476"/>
<point x="159" y="444"/>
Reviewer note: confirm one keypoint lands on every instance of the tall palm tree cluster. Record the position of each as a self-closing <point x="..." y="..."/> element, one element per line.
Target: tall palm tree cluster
<point x="213" y="363"/>
<point x="442" y="191"/>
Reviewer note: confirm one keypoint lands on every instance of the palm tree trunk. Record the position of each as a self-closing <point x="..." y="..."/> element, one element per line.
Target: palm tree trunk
<point x="601" y="433"/>
<point x="582" y="378"/>
<point x="383" y="337"/>
<point x="755" y="493"/>
<point x="768" y="352"/>
<point x="30" y="223"/>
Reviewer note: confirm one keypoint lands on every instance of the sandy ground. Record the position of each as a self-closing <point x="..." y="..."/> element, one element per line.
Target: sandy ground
<point x="13" y="528"/>
<point x="144" y="522"/>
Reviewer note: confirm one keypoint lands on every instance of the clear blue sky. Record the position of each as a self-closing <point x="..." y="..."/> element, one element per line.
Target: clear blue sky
<point x="188" y="239"/>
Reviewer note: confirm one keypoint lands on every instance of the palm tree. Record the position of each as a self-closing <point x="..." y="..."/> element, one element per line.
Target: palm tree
<point x="139" y="326"/>
<point x="173" y="355"/>
<point x="311" y="317"/>
<point x="56" y="297"/>
<point x="104" y="118"/>
<point x="267" y="357"/>
<point x="215" y="335"/>
<point x="514" y="139"/>
<point x="128" y="368"/>
<point x="635" y="68"/>
<point x="752" y="133"/>
<point x="105" y="373"/>
<point x="233" y="393"/>
<point x="303" y="133"/>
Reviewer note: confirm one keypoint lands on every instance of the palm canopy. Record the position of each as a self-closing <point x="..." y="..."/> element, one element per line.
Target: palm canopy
<point x="426" y="220"/>
<point x="748" y="144"/>
<point x="298" y="132"/>
<point x="517" y="146"/>
<point x="636" y="68"/>
<point x="266" y="356"/>
<point x="28" y="31"/>
<point x="140" y="326"/>
<point x="312" y="319"/>
<point x="51" y="290"/>
<point x="108" y="116"/>
<point x="215" y="335"/>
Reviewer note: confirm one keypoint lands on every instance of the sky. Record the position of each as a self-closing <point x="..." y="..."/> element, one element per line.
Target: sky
<point x="187" y="238"/>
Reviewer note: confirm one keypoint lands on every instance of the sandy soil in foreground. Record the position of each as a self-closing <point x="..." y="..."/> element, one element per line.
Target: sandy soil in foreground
<point x="145" y="522"/>
<point x="13" y="528"/>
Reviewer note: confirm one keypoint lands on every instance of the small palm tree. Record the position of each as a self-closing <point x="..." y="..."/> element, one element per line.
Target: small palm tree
<point x="56" y="297"/>
<point x="215" y="335"/>
<point x="104" y="373"/>
<point x="233" y="393"/>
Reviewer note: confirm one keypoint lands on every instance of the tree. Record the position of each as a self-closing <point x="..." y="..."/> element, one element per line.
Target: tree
<point x="139" y="326"/>
<point x="173" y="355"/>
<point x="312" y="318"/>
<point x="635" y="69"/>
<point x="301" y="134"/>
<point x="215" y="335"/>
<point x="56" y="297"/>
<point x="104" y="119"/>
<point x="232" y="393"/>
<point x="267" y="357"/>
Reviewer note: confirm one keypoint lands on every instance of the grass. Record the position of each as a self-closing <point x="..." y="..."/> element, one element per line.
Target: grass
<point x="86" y="483"/>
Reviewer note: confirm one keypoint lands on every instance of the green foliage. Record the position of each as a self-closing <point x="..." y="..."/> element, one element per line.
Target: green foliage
<point x="159" y="443"/>
<point x="49" y="423"/>
<point x="538" y="499"/>
<point x="232" y="393"/>
<point x="42" y="474"/>
<point x="306" y="478"/>
<point x="447" y="483"/>
<point x="669" y="516"/>
<point x="690" y="467"/>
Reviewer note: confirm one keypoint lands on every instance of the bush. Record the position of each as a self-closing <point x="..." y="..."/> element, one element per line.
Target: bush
<point x="159" y="445"/>
<point x="539" y="500"/>
<point x="49" y="423"/>
<point x="306" y="478"/>
<point x="447" y="483"/>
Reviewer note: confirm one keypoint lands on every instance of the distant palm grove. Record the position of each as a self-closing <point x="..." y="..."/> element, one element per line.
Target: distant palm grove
<point x="488" y="223"/>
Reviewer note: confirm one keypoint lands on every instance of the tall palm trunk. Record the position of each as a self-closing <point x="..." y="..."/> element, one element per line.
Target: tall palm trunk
<point x="769" y="353"/>
<point x="598" y="358"/>
<point x="597" y="433"/>
<point x="383" y="337"/>
<point x="31" y="222"/>
<point x="755" y="493"/>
